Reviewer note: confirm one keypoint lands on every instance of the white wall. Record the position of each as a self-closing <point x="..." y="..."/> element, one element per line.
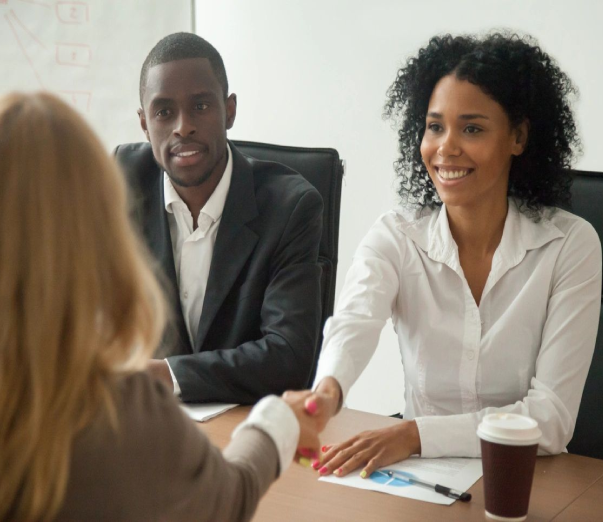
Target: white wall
<point x="315" y="72"/>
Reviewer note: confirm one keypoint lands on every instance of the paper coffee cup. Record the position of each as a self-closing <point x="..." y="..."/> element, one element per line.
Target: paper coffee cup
<point x="509" y="445"/>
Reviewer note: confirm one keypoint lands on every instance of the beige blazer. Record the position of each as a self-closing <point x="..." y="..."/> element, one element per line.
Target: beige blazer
<point x="159" y="466"/>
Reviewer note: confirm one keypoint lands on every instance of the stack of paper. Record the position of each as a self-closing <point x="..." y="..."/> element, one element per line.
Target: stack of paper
<point x="206" y="411"/>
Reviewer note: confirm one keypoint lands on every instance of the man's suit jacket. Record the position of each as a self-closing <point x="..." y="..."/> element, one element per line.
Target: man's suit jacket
<point x="261" y="314"/>
<point x="158" y="465"/>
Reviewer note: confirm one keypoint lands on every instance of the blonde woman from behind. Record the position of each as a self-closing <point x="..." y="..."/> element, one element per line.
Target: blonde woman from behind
<point x="84" y="433"/>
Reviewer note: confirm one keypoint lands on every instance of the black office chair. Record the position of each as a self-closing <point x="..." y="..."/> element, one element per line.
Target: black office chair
<point x="323" y="168"/>
<point x="587" y="202"/>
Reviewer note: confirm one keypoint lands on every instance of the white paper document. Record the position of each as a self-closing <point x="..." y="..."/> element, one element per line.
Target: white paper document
<point x="205" y="411"/>
<point x="455" y="473"/>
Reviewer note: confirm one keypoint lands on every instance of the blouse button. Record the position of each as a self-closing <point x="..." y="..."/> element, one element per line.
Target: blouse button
<point x="470" y="355"/>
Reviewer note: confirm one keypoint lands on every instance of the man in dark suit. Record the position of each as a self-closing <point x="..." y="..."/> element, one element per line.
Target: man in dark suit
<point x="236" y="238"/>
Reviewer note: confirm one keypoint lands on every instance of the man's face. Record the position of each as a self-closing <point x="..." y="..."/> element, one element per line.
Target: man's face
<point x="185" y="117"/>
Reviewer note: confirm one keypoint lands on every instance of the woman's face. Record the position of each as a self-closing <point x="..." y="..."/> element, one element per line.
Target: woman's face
<point x="468" y="144"/>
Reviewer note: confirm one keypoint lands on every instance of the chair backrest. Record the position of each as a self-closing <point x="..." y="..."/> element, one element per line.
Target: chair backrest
<point x="323" y="169"/>
<point x="587" y="202"/>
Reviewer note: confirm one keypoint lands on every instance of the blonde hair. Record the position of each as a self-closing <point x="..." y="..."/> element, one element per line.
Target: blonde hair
<point x="78" y="304"/>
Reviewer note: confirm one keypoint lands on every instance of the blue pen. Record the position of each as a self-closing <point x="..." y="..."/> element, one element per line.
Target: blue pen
<point x="463" y="496"/>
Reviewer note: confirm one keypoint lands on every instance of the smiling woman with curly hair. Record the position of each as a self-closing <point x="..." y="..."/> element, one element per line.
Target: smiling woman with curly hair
<point x="518" y="75"/>
<point x="493" y="291"/>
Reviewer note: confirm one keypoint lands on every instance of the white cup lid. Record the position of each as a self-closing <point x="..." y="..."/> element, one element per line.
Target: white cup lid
<point x="509" y="428"/>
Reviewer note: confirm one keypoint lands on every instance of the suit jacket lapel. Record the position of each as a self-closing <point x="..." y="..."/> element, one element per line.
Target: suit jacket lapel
<point x="156" y="229"/>
<point x="234" y="242"/>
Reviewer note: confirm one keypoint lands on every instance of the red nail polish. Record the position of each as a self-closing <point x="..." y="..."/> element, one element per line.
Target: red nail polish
<point x="305" y="452"/>
<point x="316" y="464"/>
<point x="323" y="470"/>
<point x="324" y="449"/>
<point x="311" y="407"/>
<point x="338" y="472"/>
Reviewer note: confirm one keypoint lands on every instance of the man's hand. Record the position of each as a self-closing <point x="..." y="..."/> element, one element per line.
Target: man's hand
<point x="372" y="450"/>
<point x="159" y="369"/>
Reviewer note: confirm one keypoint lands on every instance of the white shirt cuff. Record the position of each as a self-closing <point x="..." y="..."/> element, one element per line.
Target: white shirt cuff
<point x="276" y="419"/>
<point x="177" y="391"/>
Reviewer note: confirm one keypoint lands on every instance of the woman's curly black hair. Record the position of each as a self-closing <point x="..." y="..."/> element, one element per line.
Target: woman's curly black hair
<point x="523" y="79"/>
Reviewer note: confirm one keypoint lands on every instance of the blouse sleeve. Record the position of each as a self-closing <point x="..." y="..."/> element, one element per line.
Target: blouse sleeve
<point x="365" y="304"/>
<point x="566" y="350"/>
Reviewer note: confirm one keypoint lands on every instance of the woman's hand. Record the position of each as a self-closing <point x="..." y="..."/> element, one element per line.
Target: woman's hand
<point x="372" y="450"/>
<point x="325" y="401"/>
<point x="313" y="410"/>
<point x="309" y="444"/>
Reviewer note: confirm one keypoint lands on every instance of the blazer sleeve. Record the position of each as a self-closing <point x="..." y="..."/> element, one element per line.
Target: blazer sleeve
<point x="216" y="486"/>
<point x="155" y="463"/>
<point x="282" y="357"/>
<point x="194" y="480"/>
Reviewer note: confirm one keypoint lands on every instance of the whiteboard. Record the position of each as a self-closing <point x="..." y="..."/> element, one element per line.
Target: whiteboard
<point x="89" y="52"/>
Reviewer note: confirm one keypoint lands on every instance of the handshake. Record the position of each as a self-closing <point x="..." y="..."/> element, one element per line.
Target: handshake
<point x="313" y="410"/>
<point x="368" y="450"/>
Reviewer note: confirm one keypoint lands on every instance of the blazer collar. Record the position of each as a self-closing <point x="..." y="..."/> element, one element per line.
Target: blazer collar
<point x="156" y="229"/>
<point x="240" y="206"/>
<point x="234" y="242"/>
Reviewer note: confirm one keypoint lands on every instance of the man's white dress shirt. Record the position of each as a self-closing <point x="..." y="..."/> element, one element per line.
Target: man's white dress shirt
<point x="193" y="249"/>
<point x="526" y="349"/>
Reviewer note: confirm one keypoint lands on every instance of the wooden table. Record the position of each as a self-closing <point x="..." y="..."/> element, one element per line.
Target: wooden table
<point x="566" y="488"/>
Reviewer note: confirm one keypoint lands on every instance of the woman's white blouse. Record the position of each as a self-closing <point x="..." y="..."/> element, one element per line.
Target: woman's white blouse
<point x="526" y="349"/>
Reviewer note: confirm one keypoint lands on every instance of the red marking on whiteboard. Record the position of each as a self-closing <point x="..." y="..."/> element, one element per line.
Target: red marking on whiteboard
<point x="75" y="55"/>
<point x="72" y="12"/>
<point x="81" y="99"/>
<point x="20" y="44"/>
<point x="32" y="36"/>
